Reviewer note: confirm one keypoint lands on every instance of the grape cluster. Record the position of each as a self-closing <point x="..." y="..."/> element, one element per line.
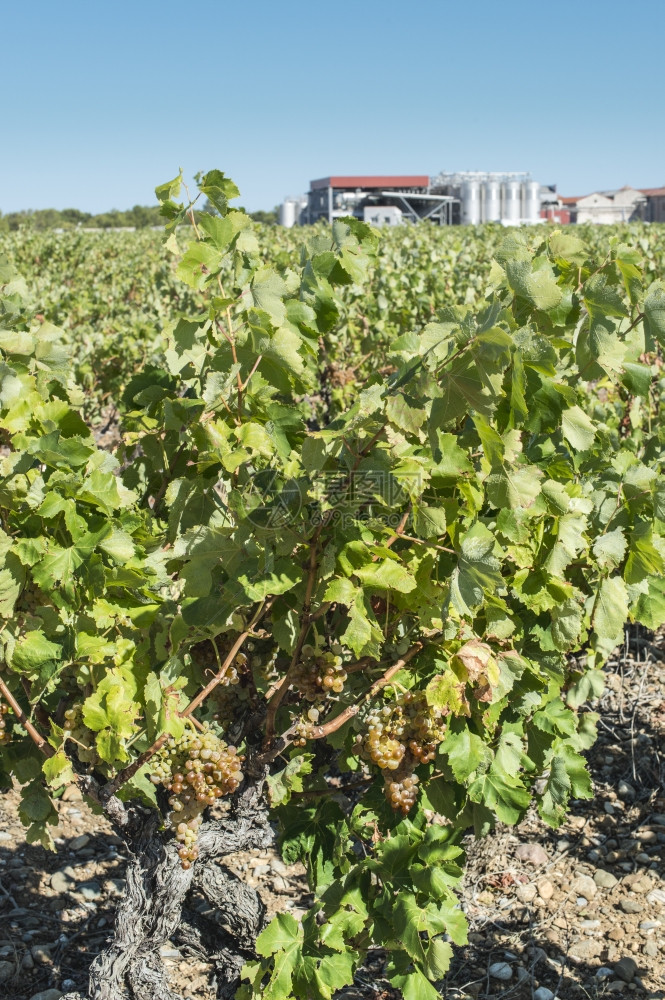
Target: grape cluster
<point x="197" y="768"/>
<point x="318" y="674"/>
<point x="382" y="741"/>
<point x="397" y="738"/>
<point x="402" y="791"/>
<point x="5" y="735"/>
<point x="74" y="729"/>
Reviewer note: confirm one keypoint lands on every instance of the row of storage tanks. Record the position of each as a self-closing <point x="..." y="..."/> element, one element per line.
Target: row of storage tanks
<point x="510" y="201"/>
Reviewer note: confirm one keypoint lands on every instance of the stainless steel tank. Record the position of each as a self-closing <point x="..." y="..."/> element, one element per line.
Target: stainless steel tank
<point x="532" y="202"/>
<point x="287" y="213"/>
<point x="470" y="203"/>
<point x="512" y="202"/>
<point x="492" y="201"/>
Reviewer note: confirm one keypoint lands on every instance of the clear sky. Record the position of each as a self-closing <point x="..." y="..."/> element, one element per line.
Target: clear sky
<point x="102" y="101"/>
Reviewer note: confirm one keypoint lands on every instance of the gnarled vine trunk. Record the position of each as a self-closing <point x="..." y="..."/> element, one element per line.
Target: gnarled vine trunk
<point x="155" y="907"/>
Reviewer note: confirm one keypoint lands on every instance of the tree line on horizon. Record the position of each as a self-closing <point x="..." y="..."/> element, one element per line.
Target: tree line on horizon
<point x="138" y="217"/>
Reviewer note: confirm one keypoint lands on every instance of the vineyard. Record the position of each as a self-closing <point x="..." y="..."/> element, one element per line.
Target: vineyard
<point x="319" y="542"/>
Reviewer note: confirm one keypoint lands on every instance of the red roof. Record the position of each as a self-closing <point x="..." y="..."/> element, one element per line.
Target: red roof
<point x="570" y="201"/>
<point x="401" y="181"/>
<point x="653" y="192"/>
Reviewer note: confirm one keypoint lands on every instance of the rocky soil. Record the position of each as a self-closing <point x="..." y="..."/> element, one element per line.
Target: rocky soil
<point x="572" y="914"/>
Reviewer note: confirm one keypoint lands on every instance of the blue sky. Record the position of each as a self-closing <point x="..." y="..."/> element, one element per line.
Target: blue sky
<point x="102" y="101"/>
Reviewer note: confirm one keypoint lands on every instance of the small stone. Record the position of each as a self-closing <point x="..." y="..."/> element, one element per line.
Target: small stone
<point x="41" y="953"/>
<point x="658" y="819"/>
<point x="604" y="879"/>
<point x="629" y="905"/>
<point x="72" y="793"/>
<point x="501" y="971"/>
<point x="526" y="893"/>
<point x="542" y="993"/>
<point x="545" y="889"/>
<point x="6" y="971"/>
<point x="534" y="854"/>
<point x="642" y="885"/>
<point x="603" y="972"/>
<point x="168" y="951"/>
<point x="278" y="866"/>
<point x="656" y="897"/>
<point x="5" y="837"/>
<point x="585" y="886"/>
<point x="89" y="890"/>
<point x="261" y="870"/>
<point x="584" y="950"/>
<point x="61" y="881"/>
<point x="651" y="948"/>
<point x="79" y="842"/>
<point x="649" y="925"/>
<point x="47" y="995"/>
<point x="279" y="884"/>
<point x="625" y="791"/>
<point x="609" y="808"/>
<point x="27" y="962"/>
<point x="589" y="925"/>
<point x="485" y="898"/>
<point x="626" y="969"/>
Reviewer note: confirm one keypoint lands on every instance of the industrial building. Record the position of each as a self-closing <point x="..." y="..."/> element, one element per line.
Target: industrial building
<point x="467" y="198"/>
<point x="379" y="200"/>
<point x="448" y="199"/>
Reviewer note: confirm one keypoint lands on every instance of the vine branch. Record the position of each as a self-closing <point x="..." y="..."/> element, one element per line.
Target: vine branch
<point x="40" y="742"/>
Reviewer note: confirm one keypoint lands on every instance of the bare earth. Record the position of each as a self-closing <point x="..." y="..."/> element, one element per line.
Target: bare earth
<point x="576" y="914"/>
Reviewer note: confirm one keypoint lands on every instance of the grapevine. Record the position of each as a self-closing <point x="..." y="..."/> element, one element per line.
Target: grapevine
<point x="373" y="583"/>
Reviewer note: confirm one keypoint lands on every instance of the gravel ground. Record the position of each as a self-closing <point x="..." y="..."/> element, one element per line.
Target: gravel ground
<point x="574" y="913"/>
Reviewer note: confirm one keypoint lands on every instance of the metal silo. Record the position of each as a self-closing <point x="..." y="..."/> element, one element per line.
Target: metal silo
<point x="471" y="203"/>
<point x="512" y="202"/>
<point x="492" y="201"/>
<point x="532" y="201"/>
<point x="287" y="213"/>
